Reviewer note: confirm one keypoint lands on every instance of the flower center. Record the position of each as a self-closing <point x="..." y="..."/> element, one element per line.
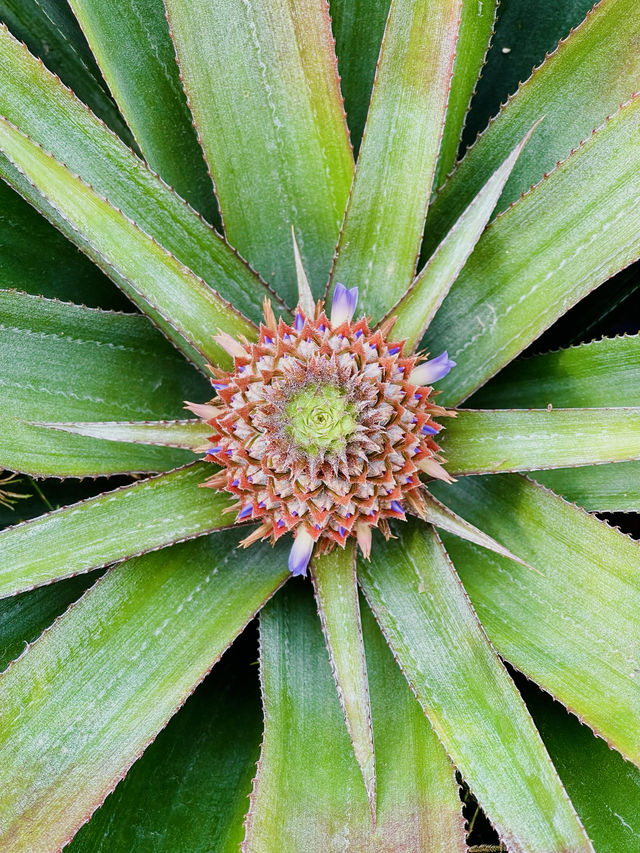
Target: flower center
<point x="321" y="418"/>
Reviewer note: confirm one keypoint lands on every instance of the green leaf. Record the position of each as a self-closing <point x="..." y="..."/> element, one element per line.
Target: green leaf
<point x="61" y="359"/>
<point x="57" y="269"/>
<point x="544" y="254"/>
<point x="586" y="80"/>
<point x="418" y="306"/>
<point x="336" y="589"/>
<point x="418" y="797"/>
<point x="570" y="629"/>
<point x="128" y="521"/>
<point x="189" y="790"/>
<point x="476" y="29"/>
<point x="50" y="31"/>
<point x="382" y="229"/>
<point x="308" y="793"/>
<point x="188" y="434"/>
<point x="132" y="46"/>
<point x="440" y="516"/>
<point x="91" y="694"/>
<point x="466" y="693"/>
<point x="603" y="787"/>
<point x="24" y="617"/>
<point x="67" y="361"/>
<point x="186" y="309"/>
<point x="357" y="27"/>
<point x="262" y="85"/>
<point x="597" y="488"/>
<point x="483" y="442"/>
<point x="525" y="32"/>
<point x="599" y="373"/>
<point x="36" y="102"/>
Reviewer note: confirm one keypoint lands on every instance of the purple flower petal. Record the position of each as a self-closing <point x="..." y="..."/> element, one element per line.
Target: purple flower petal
<point x="397" y="507"/>
<point x="299" y="321"/>
<point x="343" y="305"/>
<point x="300" y="553"/>
<point x="429" y="430"/>
<point x="245" y="512"/>
<point x="432" y="370"/>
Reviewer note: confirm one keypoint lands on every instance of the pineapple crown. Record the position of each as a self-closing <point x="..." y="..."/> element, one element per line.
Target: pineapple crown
<point x="323" y="427"/>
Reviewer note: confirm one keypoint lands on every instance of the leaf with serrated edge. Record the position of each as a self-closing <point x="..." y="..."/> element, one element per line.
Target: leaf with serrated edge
<point x="134" y="519"/>
<point x="419" y="304"/>
<point x="51" y="32"/>
<point x="466" y="693"/>
<point x="67" y="361"/>
<point x="476" y="30"/>
<point x="605" y="372"/>
<point x="586" y="79"/>
<point x="117" y="666"/>
<point x="441" y="516"/>
<point x="597" y="488"/>
<point x="543" y="255"/>
<point x="603" y="787"/>
<point x="357" y="27"/>
<point x="383" y="223"/>
<point x="336" y="589"/>
<point x="308" y="792"/>
<point x="57" y="269"/>
<point x="188" y="792"/>
<point x="263" y="88"/>
<point x="131" y="44"/>
<point x="188" y="434"/>
<point x="495" y="440"/>
<point x="156" y="279"/>
<point x="37" y="102"/>
<point x="577" y="647"/>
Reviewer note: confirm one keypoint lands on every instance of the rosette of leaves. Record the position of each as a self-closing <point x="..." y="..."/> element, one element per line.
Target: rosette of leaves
<point x="118" y="120"/>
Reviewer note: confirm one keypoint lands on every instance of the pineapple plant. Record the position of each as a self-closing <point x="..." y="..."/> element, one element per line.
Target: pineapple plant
<point x="318" y="352"/>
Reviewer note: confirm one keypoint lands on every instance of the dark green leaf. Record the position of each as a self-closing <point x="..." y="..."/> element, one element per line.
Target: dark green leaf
<point x="598" y="488"/>
<point x="189" y="791"/>
<point x="604" y="788"/>
<point x="600" y="373"/>
<point x="131" y="43"/>
<point x="357" y="27"/>
<point x="24" y="617"/>
<point x="57" y="269"/>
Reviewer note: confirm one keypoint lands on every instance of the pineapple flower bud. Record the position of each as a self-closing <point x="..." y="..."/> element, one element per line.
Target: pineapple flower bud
<point x="323" y="429"/>
<point x="431" y="371"/>
<point x="343" y="305"/>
